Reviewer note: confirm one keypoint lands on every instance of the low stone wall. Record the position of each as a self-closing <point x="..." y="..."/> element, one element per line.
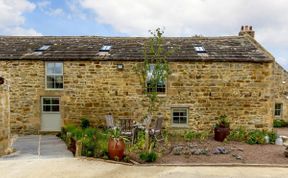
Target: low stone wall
<point x="4" y="116"/>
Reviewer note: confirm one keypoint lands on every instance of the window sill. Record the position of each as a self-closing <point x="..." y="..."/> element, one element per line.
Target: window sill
<point x="180" y="125"/>
<point x="51" y="89"/>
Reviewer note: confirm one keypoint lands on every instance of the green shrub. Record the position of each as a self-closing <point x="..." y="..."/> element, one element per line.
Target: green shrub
<point x="272" y="136"/>
<point x="239" y="134"/>
<point x="280" y="123"/>
<point x="223" y="122"/>
<point x="148" y="156"/>
<point x="70" y="127"/>
<point x="256" y="137"/>
<point x="77" y="133"/>
<point x="85" y="123"/>
<point x="192" y="135"/>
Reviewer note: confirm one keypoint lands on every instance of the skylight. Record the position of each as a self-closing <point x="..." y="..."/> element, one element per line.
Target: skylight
<point x="200" y="49"/>
<point x="43" y="48"/>
<point x="106" y="48"/>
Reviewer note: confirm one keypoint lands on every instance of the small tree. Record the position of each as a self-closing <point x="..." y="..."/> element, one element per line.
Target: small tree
<point x="154" y="70"/>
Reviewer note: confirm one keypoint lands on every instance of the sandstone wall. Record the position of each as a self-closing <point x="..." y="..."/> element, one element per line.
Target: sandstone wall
<point x="4" y="115"/>
<point x="242" y="91"/>
<point x="281" y="89"/>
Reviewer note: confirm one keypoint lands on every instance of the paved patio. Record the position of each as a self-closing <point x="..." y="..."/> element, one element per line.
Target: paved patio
<point x="38" y="147"/>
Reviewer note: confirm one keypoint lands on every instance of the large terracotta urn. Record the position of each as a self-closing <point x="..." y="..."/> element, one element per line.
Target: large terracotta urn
<point x="116" y="147"/>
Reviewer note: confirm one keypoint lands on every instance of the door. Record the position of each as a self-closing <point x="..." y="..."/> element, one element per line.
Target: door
<point x="50" y="115"/>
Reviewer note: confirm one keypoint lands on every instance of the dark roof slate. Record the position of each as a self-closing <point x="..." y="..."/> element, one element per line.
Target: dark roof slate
<point x="234" y="48"/>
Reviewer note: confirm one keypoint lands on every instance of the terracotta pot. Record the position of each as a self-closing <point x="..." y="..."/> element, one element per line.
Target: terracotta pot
<point x="116" y="148"/>
<point x="221" y="133"/>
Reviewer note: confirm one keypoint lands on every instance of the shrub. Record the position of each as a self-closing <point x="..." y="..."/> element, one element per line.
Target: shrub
<point x="280" y="123"/>
<point x="149" y="156"/>
<point x="256" y="137"/>
<point x="223" y="122"/>
<point x="192" y="135"/>
<point x="239" y="134"/>
<point x="272" y="136"/>
<point x="85" y="123"/>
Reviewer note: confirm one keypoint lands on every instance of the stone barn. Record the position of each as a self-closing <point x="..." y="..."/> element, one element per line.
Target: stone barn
<point x="59" y="80"/>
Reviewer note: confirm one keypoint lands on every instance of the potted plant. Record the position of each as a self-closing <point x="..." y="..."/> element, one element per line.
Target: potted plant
<point x="222" y="128"/>
<point x="116" y="145"/>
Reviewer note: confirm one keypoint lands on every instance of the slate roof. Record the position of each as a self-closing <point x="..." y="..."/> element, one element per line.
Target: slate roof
<point x="234" y="48"/>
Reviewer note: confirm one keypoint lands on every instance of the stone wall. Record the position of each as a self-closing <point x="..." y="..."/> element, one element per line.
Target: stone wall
<point x="4" y="115"/>
<point x="93" y="89"/>
<point x="281" y="90"/>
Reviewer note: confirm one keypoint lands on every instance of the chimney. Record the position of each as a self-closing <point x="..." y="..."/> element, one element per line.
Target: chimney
<point x="247" y="30"/>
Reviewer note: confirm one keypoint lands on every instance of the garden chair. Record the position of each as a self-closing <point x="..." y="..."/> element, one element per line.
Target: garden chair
<point x="156" y="132"/>
<point x="127" y="129"/>
<point x="110" y="122"/>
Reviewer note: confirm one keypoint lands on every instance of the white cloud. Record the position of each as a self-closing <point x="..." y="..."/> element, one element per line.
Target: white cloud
<point x="186" y="17"/>
<point x="43" y="4"/>
<point x="75" y="10"/>
<point x="201" y="17"/>
<point x="12" y="19"/>
<point x="56" y="12"/>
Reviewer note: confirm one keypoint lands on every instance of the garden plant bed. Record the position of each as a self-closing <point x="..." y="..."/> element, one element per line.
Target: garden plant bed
<point x="250" y="154"/>
<point x="239" y="153"/>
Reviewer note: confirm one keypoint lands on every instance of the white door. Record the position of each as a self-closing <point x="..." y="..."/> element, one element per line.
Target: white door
<point x="50" y="117"/>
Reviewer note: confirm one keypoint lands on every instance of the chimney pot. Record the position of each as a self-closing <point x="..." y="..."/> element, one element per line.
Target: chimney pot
<point x="247" y="30"/>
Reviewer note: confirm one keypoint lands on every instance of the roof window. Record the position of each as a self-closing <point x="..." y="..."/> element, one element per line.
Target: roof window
<point x="105" y="48"/>
<point x="43" y="48"/>
<point x="200" y="49"/>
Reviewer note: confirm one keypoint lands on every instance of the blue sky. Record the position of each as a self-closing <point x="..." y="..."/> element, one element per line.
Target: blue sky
<point x="136" y="17"/>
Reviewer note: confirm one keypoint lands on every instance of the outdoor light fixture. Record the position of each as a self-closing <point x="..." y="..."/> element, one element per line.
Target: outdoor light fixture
<point x="120" y="66"/>
<point x="1" y="80"/>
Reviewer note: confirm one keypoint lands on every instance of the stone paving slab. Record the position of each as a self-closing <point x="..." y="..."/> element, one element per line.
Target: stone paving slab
<point x="38" y="147"/>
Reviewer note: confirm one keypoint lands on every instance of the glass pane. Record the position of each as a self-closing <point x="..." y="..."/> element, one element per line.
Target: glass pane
<point x="50" y="81"/>
<point x="277" y="112"/>
<point x="175" y="113"/>
<point x="46" y="101"/>
<point x="55" y="101"/>
<point x="58" y="68"/>
<point x="58" y="81"/>
<point x="183" y="120"/>
<point x="46" y="108"/>
<point x="50" y="68"/>
<point x="175" y="120"/>
<point x="55" y="108"/>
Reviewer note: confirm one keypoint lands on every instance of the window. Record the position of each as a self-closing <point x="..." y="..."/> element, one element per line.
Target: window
<point x="54" y="75"/>
<point x="278" y="109"/>
<point x="43" y="48"/>
<point x="160" y="86"/>
<point x="179" y="116"/>
<point x="200" y="49"/>
<point x="50" y="104"/>
<point x="106" y="48"/>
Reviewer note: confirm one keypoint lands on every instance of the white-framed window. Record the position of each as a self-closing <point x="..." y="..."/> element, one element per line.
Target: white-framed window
<point x="278" y="109"/>
<point x="179" y="117"/>
<point x="50" y="104"/>
<point x="160" y="87"/>
<point x="54" y="75"/>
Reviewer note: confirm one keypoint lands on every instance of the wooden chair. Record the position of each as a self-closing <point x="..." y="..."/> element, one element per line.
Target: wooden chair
<point x="127" y="129"/>
<point x="110" y="122"/>
<point x="156" y="132"/>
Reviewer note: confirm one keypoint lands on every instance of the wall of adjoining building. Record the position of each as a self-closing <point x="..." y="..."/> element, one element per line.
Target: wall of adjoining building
<point x="4" y="114"/>
<point x="280" y="90"/>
